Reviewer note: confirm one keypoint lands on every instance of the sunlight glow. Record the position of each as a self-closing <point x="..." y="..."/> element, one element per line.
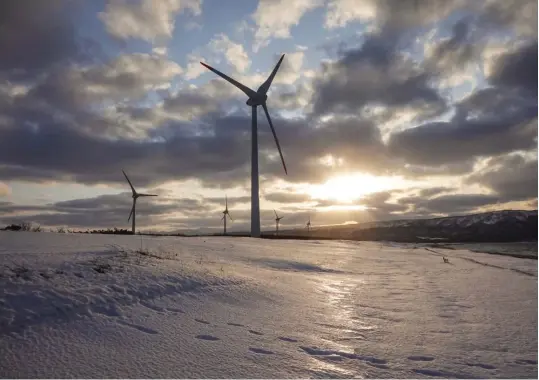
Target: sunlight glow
<point x="348" y="188"/>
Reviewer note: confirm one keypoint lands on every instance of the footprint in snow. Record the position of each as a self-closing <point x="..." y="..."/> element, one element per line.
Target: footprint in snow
<point x="207" y="337"/>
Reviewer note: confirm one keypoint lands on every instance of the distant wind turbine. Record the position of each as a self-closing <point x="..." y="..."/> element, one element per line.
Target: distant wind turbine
<point x="225" y="213"/>
<point x="309" y="225"/>
<point x="256" y="98"/>
<point x="135" y="197"/>
<point x="277" y="220"/>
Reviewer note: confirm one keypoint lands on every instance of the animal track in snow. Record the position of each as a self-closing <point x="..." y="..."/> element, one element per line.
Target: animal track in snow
<point x="143" y="329"/>
<point x="291" y="340"/>
<point x="255" y="332"/>
<point x="314" y="351"/>
<point x="420" y="358"/>
<point x="234" y="324"/>
<point x="202" y="321"/>
<point x="526" y="362"/>
<point x="260" y="351"/>
<point x="174" y="310"/>
<point x="152" y="307"/>
<point x="481" y="365"/>
<point x="207" y="337"/>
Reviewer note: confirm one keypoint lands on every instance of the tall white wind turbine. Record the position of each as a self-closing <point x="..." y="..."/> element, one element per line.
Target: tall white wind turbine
<point x="225" y="213"/>
<point x="277" y="221"/>
<point x="135" y="197"/>
<point x="256" y="98"/>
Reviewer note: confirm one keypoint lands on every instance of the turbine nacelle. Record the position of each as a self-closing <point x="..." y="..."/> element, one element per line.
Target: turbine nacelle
<point x="257" y="101"/>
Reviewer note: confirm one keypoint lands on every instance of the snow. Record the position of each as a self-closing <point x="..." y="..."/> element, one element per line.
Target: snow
<point x="91" y="306"/>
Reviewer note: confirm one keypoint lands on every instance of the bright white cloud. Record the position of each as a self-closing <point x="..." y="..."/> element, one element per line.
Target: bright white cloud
<point x="275" y="18"/>
<point x="147" y="20"/>
<point x="341" y="12"/>
<point x="234" y="53"/>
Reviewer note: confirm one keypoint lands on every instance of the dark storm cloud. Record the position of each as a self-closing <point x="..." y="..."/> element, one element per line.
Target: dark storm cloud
<point x="37" y="36"/>
<point x="512" y="177"/>
<point x="377" y="73"/>
<point x="491" y="132"/>
<point x="517" y="69"/>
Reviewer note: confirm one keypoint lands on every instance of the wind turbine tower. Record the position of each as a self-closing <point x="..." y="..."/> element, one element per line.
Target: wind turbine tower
<point x="256" y="98"/>
<point x="225" y="213"/>
<point x="135" y="197"/>
<point x="277" y="221"/>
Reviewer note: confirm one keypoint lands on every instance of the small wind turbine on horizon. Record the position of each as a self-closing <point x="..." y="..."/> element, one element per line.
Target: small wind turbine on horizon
<point x="256" y="98"/>
<point x="135" y="197"/>
<point x="309" y="225"/>
<point x="225" y="213"/>
<point x="277" y="221"/>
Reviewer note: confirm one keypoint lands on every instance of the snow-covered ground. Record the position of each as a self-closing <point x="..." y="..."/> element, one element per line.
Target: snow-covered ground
<point x="91" y="306"/>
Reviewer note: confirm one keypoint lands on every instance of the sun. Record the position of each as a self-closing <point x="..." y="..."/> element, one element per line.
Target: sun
<point x="351" y="187"/>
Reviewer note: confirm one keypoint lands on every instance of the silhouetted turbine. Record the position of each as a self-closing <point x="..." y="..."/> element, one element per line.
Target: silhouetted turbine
<point x="135" y="197"/>
<point x="256" y="98"/>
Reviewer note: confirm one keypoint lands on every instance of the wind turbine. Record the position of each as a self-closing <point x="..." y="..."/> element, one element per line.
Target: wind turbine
<point x="135" y="197"/>
<point x="225" y="213"/>
<point x="309" y="225"/>
<point x="256" y="98"/>
<point x="277" y="220"/>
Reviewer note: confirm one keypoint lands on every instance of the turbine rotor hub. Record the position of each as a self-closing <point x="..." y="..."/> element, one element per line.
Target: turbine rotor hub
<point x="257" y="101"/>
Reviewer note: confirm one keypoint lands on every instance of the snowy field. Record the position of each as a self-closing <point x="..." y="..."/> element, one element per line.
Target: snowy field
<point x="91" y="306"/>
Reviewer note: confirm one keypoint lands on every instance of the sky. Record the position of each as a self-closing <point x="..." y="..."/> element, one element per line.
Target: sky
<point x="385" y="109"/>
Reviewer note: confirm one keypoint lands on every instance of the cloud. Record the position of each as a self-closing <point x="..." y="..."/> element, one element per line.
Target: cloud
<point x="512" y="177"/>
<point x="516" y="69"/>
<point x="4" y="190"/>
<point x="37" y="37"/>
<point x="490" y="131"/>
<point x="287" y="197"/>
<point x="275" y="18"/>
<point x="375" y="73"/>
<point x="388" y="13"/>
<point x="234" y="53"/>
<point x="145" y="19"/>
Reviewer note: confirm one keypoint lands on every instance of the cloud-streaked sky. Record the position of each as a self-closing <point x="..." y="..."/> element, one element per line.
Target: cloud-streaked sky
<point x="384" y="108"/>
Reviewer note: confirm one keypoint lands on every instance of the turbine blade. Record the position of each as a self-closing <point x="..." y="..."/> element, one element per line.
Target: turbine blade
<point x="131" y="213"/>
<point x="275" y="136"/>
<point x="130" y="184"/>
<point x="229" y="217"/>
<point x="277" y="216"/>
<point x="226" y="202"/>
<point x="266" y="85"/>
<point x="148" y="195"/>
<point x="246" y="90"/>
<point x="224" y="216"/>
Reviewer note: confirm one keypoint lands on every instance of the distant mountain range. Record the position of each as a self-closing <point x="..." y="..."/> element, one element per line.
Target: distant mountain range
<point x="496" y="226"/>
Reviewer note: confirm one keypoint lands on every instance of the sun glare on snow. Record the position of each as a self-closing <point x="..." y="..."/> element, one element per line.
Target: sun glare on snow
<point x="348" y="188"/>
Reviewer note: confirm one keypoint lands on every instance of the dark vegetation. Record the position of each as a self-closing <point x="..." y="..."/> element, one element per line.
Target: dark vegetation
<point x="494" y="227"/>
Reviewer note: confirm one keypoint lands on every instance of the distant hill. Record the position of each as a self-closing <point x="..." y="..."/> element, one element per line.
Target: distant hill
<point x="497" y="226"/>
